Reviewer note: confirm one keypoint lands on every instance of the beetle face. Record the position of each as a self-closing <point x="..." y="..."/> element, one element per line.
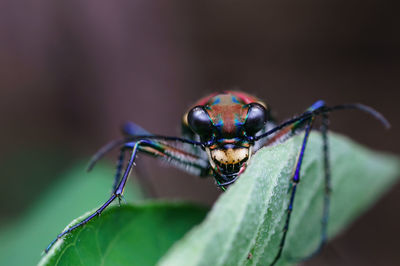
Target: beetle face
<point x="226" y="121"/>
<point x="228" y="161"/>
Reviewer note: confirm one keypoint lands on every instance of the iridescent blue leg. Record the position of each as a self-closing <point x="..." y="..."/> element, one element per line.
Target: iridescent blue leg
<point x="327" y="189"/>
<point x="288" y="128"/>
<point x="155" y="148"/>
<point x="186" y="159"/>
<point x="129" y="129"/>
<point x="295" y="182"/>
<point x="296" y="177"/>
<point x="96" y="213"/>
<point x="117" y="194"/>
<point x="120" y="163"/>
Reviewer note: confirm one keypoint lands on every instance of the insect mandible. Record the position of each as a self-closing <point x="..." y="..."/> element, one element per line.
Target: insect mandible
<point x="219" y="135"/>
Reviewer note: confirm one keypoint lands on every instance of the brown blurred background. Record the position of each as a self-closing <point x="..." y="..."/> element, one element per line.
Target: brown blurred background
<point x="72" y="71"/>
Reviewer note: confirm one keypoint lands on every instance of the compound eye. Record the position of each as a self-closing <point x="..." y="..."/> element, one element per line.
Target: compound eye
<point x="200" y="122"/>
<point x="256" y="119"/>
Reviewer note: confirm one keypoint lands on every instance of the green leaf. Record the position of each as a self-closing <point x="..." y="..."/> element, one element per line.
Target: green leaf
<point x="126" y="235"/>
<point x="249" y="217"/>
<point x="75" y="192"/>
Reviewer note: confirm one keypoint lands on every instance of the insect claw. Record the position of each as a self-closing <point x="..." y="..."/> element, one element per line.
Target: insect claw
<point x="121" y="198"/>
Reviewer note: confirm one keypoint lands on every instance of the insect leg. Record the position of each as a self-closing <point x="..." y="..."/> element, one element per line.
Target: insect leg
<point x="118" y="171"/>
<point x="292" y="129"/>
<point x="120" y="188"/>
<point x="117" y="194"/>
<point x="155" y="148"/>
<point x="327" y="188"/>
<point x="174" y="150"/>
<point x="90" y="217"/>
<point x="181" y="155"/>
<point x="323" y="110"/>
<point x="327" y="191"/>
<point x="133" y="133"/>
<point x="295" y="182"/>
<point x="119" y="165"/>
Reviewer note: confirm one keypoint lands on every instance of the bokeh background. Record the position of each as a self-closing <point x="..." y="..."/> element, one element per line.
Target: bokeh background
<point x="71" y="72"/>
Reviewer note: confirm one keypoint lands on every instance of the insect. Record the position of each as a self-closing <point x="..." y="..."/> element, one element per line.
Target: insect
<point x="219" y="135"/>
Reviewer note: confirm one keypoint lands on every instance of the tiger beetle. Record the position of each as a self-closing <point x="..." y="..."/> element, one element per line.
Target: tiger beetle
<point x="219" y="135"/>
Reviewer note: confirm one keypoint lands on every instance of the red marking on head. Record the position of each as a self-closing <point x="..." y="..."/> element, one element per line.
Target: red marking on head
<point x="205" y="100"/>
<point x="244" y="97"/>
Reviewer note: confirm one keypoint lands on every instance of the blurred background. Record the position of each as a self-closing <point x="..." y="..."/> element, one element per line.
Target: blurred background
<point x="71" y="72"/>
